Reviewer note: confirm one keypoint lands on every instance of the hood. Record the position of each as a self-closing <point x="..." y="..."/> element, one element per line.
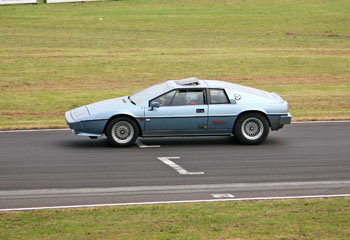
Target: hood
<point x="107" y="105"/>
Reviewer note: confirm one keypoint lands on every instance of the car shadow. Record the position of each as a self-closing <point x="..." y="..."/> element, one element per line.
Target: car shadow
<point x="203" y="141"/>
<point x="188" y="141"/>
<point x="167" y="142"/>
<point x="85" y="143"/>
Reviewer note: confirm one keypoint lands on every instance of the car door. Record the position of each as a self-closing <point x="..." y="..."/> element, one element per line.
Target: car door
<point x="181" y="112"/>
<point x="221" y="115"/>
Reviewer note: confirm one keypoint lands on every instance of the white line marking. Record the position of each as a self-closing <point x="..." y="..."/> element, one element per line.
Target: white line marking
<point x="170" y="202"/>
<point x="35" y="130"/>
<point x="190" y="188"/>
<point x="335" y="121"/>
<point x="67" y="129"/>
<point x="142" y="145"/>
<point x="222" y="195"/>
<point x="176" y="167"/>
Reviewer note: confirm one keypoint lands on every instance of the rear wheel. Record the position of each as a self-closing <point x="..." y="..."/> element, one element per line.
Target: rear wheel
<point x="251" y="128"/>
<point x="122" y="132"/>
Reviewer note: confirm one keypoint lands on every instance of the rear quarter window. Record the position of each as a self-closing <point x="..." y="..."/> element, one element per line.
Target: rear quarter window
<point x="218" y="96"/>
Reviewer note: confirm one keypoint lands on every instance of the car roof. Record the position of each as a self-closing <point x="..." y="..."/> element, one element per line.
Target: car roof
<point x="194" y="82"/>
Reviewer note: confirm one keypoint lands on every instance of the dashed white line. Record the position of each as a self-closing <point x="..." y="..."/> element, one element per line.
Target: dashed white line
<point x="177" y="167"/>
<point x="222" y="195"/>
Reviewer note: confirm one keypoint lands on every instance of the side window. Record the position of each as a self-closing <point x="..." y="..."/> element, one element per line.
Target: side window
<point x="188" y="97"/>
<point x="218" y="96"/>
<point x="181" y="98"/>
<point x="165" y="99"/>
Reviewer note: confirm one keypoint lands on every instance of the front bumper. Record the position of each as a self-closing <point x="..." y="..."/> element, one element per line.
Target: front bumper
<point x="278" y="121"/>
<point x="74" y="125"/>
<point x="286" y="119"/>
<point x="93" y="128"/>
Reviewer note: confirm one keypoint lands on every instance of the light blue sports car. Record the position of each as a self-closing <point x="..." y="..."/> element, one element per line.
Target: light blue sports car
<point x="187" y="107"/>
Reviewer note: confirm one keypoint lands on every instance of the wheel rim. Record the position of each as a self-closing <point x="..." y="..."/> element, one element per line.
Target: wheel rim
<point x="252" y="128"/>
<point x="122" y="132"/>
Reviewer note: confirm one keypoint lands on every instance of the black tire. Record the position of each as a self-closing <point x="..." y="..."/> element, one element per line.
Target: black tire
<point x="251" y="128"/>
<point x="122" y="132"/>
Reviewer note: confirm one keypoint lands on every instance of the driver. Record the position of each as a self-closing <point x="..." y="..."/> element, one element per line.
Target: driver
<point x="191" y="99"/>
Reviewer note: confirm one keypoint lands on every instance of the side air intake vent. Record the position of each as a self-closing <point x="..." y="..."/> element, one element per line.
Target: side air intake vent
<point x="188" y="81"/>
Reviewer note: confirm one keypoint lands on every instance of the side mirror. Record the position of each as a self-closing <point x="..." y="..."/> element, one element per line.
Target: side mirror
<point x="232" y="101"/>
<point x="154" y="105"/>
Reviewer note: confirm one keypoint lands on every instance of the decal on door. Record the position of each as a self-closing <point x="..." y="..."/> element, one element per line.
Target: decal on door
<point x="217" y="122"/>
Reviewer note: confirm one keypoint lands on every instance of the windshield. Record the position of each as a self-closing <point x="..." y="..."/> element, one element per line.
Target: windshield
<point x="148" y="93"/>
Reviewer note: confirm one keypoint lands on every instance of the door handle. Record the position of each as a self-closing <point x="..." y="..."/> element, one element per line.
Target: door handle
<point x="200" y="110"/>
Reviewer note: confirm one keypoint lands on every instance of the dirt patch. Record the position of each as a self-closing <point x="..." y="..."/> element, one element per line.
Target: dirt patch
<point x="332" y="35"/>
<point x="32" y="126"/>
<point x="88" y="84"/>
<point x="35" y="51"/>
<point x="290" y="80"/>
<point x="126" y="51"/>
<point x="290" y="33"/>
<point x="39" y="114"/>
<point x="332" y="52"/>
<point x="326" y="52"/>
<point x="196" y="52"/>
<point x="16" y="85"/>
<point x="280" y="50"/>
<point x="180" y="2"/>
<point x="312" y="103"/>
<point x="66" y="83"/>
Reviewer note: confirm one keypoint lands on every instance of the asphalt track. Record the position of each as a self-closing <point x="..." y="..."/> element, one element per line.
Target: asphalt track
<point x="55" y="168"/>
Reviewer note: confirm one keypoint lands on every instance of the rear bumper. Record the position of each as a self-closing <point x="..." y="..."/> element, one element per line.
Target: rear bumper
<point x="278" y="121"/>
<point x="93" y="128"/>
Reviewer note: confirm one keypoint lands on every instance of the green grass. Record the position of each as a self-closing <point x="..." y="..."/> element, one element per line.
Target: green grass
<point x="60" y="56"/>
<point x="287" y="219"/>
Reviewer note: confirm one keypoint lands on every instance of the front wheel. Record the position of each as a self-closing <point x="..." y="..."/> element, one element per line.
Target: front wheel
<point x="251" y="128"/>
<point x="122" y="132"/>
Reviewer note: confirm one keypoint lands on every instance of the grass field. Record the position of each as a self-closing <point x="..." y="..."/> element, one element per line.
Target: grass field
<point x="57" y="57"/>
<point x="60" y="56"/>
<point x="288" y="219"/>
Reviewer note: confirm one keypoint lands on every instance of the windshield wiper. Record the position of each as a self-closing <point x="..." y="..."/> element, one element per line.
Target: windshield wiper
<point x="131" y="100"/>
